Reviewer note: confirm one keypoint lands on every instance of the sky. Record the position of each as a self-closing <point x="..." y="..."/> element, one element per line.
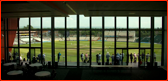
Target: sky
<point x="96" y="22"/>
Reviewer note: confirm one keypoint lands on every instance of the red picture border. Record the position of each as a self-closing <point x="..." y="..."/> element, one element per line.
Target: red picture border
<point x="84" y="0"/>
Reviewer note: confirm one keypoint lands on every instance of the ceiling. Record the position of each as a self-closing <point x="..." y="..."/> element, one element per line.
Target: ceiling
<point x="87" y="8"/>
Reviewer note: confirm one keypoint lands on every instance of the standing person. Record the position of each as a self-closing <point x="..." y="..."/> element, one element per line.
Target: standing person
<point x="121" y="58"/>
<point x="10" y="55"/>
<point x="43" y="59"/>
<point x="28" y="56"/>
<point x="143" y="56"/>
<point x="135" y="57"/>
<point x="99" y="57"/>
<point x="154" y="57"/>
<point x="147" y="56"/>
<point x="86" y="57"/>
<point x="131" y="57"/>
<point x="39" y="57"/>
<point x="117" y="58"/>
<point x="107" y="57"/>
<point x="112" y="59"/>
<point x="82" y="56"/>
<point x="59" y="54"/>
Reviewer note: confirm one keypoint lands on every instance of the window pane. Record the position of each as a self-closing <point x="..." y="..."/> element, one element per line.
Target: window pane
<point x="145" y="38"/>
<point x="36" y="38"/>
<point x="157" y="39"/>
<point x="71" y="22"/>
<point x="48" y="54"/>
<point x="96" y="39"/>
<point x="121" y="22"/>
<point x="84" y="39"/>
<point x="46" y="39"/>
<point x="121" y="38"/>
<point x="157" y="54"/>
<point x="62" y="57"/>
<point x="46" y="22"/>
<point x="59" y="22"/>
<point x="109" y="39"/>
<point x="133" y="22"/>
<point x="133" y="40"/>
<point x="157" y="22"/>
<point x="35" y="23"/>
<point x="96" y="22"/>
<point x="24" y="38"/>
<point x="71" y="57"/>
<point x="84" y="51"/>
<point x="24" y="23"/>
<point x="84" y="22"/>
<point x="94" y="52"/>
<point x="59" y="39"/>
<point x="109" y="22"/>
<point x="71" y="39"/>
<point x="145" y="22"/>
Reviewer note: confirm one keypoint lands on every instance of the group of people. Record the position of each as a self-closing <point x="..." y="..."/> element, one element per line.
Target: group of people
<point x="15" y="56"/>
<point x="86" y="59"/>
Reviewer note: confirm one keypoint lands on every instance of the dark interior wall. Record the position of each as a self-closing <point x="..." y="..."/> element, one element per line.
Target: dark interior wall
<point x="12" y="25"/>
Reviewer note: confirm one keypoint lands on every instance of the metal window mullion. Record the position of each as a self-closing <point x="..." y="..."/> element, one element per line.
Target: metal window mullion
<point x="90" y="40"/>
<point x="115" y="40"/>
<point x="152" y="40"/>
<point x="53" y="41"/>
<point x="18" y="40"/>
<point x="127" y="34"/>
<point x="162" y="53"/>
<point x="103" y="40"/>
<point x="29" y="40"/>
<point x="5" y="39"/>
<point x="78" y="40"/>
<point x="65" y="41"/>
<point x="41" y="36"/>
<point x="139" y="40"/>
<point x="7" y="34"/>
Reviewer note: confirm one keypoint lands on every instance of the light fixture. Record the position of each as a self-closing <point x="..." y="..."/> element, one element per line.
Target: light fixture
<point x="131" y="13"/>
<point x="69" y="6"/>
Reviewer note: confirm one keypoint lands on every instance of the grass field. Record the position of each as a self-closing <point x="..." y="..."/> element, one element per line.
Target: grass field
<point x="84" y="48"/>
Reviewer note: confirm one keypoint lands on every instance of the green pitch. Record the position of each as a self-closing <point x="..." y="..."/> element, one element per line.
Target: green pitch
<point x="84" y="48"/>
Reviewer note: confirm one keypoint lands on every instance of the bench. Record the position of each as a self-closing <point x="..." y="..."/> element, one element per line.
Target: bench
<point x="109" y="66"/>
